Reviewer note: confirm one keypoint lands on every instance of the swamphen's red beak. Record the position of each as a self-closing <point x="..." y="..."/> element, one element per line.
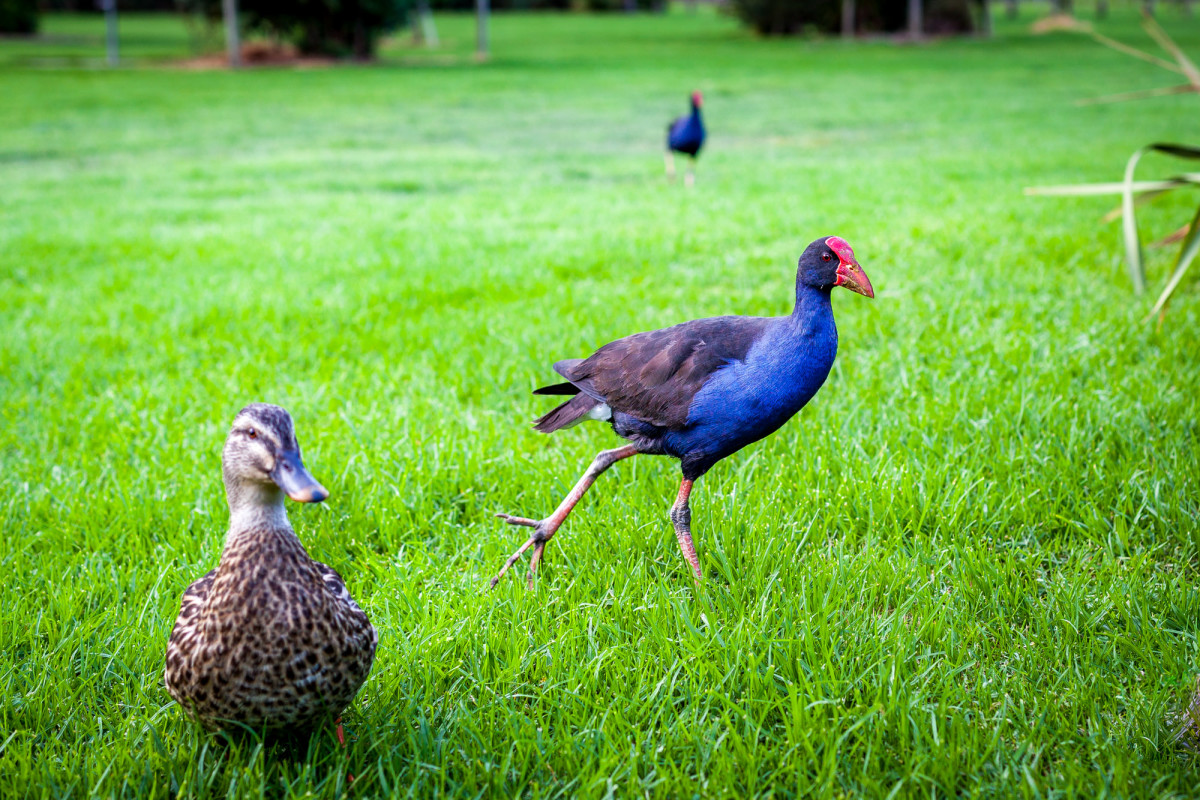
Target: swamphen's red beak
<point x="849" y="272"/>
<point x="851" y="275"/>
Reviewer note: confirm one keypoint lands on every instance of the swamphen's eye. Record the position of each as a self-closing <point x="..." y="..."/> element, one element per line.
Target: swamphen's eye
<point x="826" y="257"/>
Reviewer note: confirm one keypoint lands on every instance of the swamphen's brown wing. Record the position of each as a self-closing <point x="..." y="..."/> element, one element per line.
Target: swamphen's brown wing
<point x="653" y="376"/>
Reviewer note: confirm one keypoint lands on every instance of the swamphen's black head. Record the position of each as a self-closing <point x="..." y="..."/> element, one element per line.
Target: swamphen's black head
<point x="829" y="262"/>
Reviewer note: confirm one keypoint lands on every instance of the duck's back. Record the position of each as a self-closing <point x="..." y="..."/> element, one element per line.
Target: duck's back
<point x="269" y="639"/>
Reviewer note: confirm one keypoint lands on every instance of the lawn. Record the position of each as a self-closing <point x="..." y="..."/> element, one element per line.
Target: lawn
<point x="968" y="567"/>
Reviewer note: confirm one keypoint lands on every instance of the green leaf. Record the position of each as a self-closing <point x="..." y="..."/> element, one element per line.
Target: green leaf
<point x="1167" y="43"/>
<point x="1191" y="246"/>
<point x="1140" y="200"/>
<point x="1116" y="187"/>
<point x="1178" y="150"/>
<point x="1133" y="246"/>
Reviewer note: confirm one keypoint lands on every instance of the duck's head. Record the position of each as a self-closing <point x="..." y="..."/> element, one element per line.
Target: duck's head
<point x="262" y="459"/>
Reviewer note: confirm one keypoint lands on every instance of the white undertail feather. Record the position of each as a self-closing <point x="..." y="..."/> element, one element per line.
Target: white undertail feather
<point x="601" y="412"/>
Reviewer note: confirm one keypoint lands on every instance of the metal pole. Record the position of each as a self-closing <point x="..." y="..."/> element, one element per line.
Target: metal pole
<point x="1011" y="8"/>
<point x="914" y="18"/>
<point x="110" y="31"/>
<point x="848" y="19"/>
<point x="481" y="28"/>
<point x="232" y="37"/>
<point x="985" y="17"/>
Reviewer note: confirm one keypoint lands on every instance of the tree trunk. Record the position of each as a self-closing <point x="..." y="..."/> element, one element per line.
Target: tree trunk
<point x="111" y="42"/>
<point x="848" y="19"/>
<point x="915" y="25"/>
<point x="1101" y="9"/>
<point x="233" y="42"/>
<point x="362" y="42"/>
<point x="985" y="18"/>
<point x="482" y="9"/>
<point x="1011" y="7"/>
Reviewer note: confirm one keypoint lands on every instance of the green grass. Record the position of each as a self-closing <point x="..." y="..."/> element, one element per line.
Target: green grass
<point x="968" y="567"/>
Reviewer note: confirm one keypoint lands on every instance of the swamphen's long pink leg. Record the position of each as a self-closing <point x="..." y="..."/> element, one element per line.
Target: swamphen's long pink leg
<point x="544" y="529"/>
<point x="681" y="518"/>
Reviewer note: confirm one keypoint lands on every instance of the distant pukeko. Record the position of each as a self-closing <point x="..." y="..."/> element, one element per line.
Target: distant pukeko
<point x="702" y="390"/>
<point x="686" y="135"/>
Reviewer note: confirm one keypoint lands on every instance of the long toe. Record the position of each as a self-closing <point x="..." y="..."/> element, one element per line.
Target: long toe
<point x="534" y="560"/>
<point x="511" y="520"/>
<point x="530" y="542"/>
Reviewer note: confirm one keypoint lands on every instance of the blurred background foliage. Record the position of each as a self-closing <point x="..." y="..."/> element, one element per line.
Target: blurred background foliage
<point x="18" y="16"/>
<point x="352" y="27"/>
<point x="315" y="27"/>
<point x="790" y="17"/>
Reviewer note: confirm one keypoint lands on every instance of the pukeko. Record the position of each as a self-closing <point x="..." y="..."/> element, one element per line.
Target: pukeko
<point x="686" y="135"/>
<point x="701" y="390"/>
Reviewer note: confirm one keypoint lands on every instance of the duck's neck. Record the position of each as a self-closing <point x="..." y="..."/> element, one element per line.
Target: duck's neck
<point x="254" y="510"/>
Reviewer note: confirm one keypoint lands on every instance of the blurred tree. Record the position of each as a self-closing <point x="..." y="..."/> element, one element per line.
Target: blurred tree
<point x="915" y="15"/>
<point x="316" y="27"/>
<point x="18" y="16"/>
<point x="233" y="32"/>
<point x="482" y="10"/>
<point x="424" y="28"/>
<point x="555" y="5"/>
<point x="97" y="6"/>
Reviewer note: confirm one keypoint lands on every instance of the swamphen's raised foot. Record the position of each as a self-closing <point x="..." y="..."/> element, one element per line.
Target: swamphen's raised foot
<point x="541" y="534"/>
<point x="544" y="529"/>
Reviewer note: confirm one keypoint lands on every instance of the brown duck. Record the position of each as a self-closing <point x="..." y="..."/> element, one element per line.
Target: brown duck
<point x="270" y="639"/>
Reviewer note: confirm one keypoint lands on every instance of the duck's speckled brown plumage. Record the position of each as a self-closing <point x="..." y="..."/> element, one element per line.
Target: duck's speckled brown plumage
<point x="1187" y="726"/>
<point x="269" y="639"/>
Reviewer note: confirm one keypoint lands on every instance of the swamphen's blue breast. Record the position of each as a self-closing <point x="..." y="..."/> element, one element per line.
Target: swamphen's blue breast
<point x="686" y="134"/>
<point x="750" y="399"/>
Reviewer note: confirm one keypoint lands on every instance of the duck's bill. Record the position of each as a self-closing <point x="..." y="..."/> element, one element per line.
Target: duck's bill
<point x="291" y="476"/>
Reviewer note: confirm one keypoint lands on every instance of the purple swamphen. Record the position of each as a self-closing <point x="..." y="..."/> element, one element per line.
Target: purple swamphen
<point x="702" y="390"/>
<point x="686" y="135"/>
